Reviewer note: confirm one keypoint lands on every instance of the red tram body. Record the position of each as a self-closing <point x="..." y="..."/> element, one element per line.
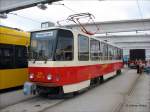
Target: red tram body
<point x="68" y="61"/>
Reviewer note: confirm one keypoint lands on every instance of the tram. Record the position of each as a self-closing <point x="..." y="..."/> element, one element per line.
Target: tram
<point x="13" y="57"/>
<point x="65" y="61"/>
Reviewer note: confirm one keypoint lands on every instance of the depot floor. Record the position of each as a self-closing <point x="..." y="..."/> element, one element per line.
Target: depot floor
<point x="128" y="92"/>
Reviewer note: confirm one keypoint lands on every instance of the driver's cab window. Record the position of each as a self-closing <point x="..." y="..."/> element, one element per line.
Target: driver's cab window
<point x="64" y="46"/>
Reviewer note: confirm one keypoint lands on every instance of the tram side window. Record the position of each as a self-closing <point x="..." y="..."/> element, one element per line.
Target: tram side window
<point x="83" y="48"/>
<point x="64" y="49"/>
<point x="102" y="51"/>
<point x="12" y="57"/>
<point x="118" y="54"/>
<point x="105" y="51"/>
<point x="121" y="53"/>
<point x="110" y="52"/>
<point x="21" y="57"/>
<point x="8" y="57"/>
<point x="113" y="55"/>
<point x="94" y="49"/>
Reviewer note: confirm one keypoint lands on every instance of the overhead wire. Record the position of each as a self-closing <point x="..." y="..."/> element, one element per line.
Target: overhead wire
<point x="69" y="8"/>
<point x="140" y="13"/>
<point x="62" y="4"/>
<point x="139" y="9"/>
<point x="25" y="17"/>
<point x="58" y="3"/>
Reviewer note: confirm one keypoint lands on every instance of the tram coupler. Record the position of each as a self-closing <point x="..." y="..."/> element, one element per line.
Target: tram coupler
<point x="29" y="88"/>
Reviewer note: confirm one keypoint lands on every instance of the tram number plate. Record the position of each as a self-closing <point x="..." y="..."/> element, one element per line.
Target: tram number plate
<point x="40" y="75"/>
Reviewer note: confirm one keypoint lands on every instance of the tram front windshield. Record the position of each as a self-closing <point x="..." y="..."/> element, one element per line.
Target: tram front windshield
<point x="42" y="45"/>
<point x="56" y="45"/>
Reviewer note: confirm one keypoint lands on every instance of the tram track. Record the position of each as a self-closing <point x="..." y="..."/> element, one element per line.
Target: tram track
<point x="36" y="104"/>
<point x="130" y="91"/>
<point x="8" y="105"/>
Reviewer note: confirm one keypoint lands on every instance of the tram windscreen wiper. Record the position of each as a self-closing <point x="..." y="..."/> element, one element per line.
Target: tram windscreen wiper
<point x="35" y="57"/>
<point x="45" y="59"/>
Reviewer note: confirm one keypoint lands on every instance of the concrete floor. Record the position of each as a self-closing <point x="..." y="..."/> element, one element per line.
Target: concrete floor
<point x="139" y="98"/>
<point x="107" y="97"/>
<point x="13" y="97"/>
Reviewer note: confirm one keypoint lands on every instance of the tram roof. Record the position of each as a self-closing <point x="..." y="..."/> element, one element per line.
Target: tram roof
<point x="50" y="28"/>
<point x="14" y="31"/>
<point x="12" y="28"/>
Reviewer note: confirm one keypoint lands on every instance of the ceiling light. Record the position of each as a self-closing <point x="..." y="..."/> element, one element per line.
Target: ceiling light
<point x="42" y="6"/>
<point x="3" y="16"/>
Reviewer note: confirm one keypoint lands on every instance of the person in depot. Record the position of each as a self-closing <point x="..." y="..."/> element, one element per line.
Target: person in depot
<point x="140" y="66"/>
<point x="148" y="67"/>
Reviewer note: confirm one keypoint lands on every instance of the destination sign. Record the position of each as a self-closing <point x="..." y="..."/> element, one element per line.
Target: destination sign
<point x="44" y="34"/>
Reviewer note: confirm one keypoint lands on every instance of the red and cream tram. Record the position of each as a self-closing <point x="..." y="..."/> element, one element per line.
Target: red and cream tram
<point x="64" y="61"/>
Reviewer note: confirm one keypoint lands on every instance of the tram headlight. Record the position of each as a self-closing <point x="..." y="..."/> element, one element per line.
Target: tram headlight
<point x="31" y="75"/>
<point x="49" y="77"/>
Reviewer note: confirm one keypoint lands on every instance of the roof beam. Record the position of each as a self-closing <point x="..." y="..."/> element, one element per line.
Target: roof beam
<point x="117" y="26"/>
<point x="7" y="6"/>
<point x="136" y="47"/>
<point x="129" y="41"/>
<point x="126" y="38"/>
